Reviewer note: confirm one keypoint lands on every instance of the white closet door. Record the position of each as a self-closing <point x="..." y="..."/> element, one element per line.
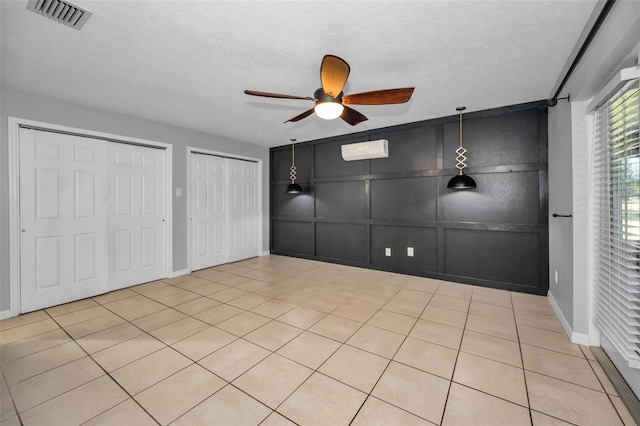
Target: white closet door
<point x="136" y="214"/>
<point x="63" y="218"/>
<point x="208" y="211"/>
<point x="244" y="211"/>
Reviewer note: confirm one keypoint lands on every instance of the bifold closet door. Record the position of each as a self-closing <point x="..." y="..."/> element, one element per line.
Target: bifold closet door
<point x="244" y="212"/>
<point x="208" y="211"/>
<point x="224" y="210"/>
<point x="63" y="218"/>
<point x="136" y="214"/>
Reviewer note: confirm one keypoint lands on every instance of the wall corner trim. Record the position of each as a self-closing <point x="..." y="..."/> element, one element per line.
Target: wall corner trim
<point x="265" y="253"/>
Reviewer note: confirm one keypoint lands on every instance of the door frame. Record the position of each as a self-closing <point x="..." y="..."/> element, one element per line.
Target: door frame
<point x="193" y="150"/>
<point x="14" y="194"/>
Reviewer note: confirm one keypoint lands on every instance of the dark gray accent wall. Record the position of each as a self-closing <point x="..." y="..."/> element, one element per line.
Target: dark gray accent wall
<point x="350" y="212"/>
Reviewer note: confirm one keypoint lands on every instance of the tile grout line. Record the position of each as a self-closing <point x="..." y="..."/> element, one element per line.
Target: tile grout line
<point x="13" y="402"/>
<point x="531" y="410"/>
<point x="524" y="376"/>
<point x="229" y="383"/>
<point x="369" y="394"/>
<point x="193" y="362"/>
<point x="455" y="364"/>
<point x="316" y="370"/>
<point x="107" y="374"/>
<point x="51" y="369"/>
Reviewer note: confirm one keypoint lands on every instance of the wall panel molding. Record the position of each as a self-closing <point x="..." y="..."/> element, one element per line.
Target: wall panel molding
<point x="350" y="212"/>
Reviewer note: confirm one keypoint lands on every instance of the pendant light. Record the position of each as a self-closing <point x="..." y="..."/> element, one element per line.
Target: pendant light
<point x="293" y="187"/>
<point x="461" y="181"/>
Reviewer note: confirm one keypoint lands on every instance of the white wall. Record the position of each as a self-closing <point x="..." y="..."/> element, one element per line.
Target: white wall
<point x="561" y="202"/>
<point x="20" y="104"/>
<point x="615" y="47"/>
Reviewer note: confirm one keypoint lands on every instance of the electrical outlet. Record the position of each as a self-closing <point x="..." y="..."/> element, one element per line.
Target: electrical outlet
<point x="387" y="251"/>
<point x="178" y="192"/>
<point x="555" y="275"/>
<point x="410" y="251"/>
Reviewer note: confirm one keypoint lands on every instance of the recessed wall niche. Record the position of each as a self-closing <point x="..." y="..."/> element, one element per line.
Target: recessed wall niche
<point x="493" y="236"/>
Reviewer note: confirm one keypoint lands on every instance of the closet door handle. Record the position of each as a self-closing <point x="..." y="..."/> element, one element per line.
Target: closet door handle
<point x="562" y="215"/>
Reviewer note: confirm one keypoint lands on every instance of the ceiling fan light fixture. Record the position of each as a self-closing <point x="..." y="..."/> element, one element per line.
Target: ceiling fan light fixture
<point x="329" y="110"/>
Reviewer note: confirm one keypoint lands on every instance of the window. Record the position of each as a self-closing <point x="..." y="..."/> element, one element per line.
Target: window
<point x="616" y="194"/>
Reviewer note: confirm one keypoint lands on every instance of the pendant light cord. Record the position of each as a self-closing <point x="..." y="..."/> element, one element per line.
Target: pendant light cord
<point x="293" y="152"/>
<point x="460" y="128"/>
<point x="461" y="158"/>
<point x="292" y="173"/>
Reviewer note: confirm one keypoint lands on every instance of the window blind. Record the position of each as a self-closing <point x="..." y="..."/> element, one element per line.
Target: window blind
<point x="616" y="218"/>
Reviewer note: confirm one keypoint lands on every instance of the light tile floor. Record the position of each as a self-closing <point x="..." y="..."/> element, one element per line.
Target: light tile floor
<point x="280" y="341"/>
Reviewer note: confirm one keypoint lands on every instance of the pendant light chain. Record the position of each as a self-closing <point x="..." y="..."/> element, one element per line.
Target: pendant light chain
<point x="292" y="173"/>
<point x="461" y="181"/>
<point x="461" y="158"/>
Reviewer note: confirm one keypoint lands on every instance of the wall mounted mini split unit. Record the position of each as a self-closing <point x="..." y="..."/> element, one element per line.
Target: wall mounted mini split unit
<point x="365" y="150"/>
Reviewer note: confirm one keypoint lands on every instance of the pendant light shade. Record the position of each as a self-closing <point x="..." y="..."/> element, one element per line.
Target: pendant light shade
<point x="461" y="181"/>
<point x="293" y="187"/>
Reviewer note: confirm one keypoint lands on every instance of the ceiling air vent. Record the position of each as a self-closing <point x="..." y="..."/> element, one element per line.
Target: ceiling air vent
<point x="64" y="12"/>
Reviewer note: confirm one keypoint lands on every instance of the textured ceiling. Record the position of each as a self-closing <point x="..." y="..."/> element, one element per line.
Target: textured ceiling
<point x="188" y="62"/>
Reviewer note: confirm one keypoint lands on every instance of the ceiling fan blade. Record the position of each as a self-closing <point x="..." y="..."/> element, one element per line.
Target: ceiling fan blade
<point x="301" y="116"/>
<point x="380" y="97"/>
<point x="352" y="116"/>
<point x="276" y="95"/>
<point x="334" y="72"/>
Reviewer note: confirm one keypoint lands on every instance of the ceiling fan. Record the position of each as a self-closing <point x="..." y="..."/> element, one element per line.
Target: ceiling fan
<point x="331" y="103"/>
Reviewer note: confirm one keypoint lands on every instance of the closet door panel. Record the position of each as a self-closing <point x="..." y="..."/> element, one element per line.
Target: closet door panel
<point x="244" y="210"/>
<point x="136" y="220"/>
<point x="63" y="218"/>
<point x="208" y="211"/>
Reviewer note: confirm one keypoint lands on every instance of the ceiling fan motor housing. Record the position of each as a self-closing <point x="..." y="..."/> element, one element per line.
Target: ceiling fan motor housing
<point x="323" y="97"/>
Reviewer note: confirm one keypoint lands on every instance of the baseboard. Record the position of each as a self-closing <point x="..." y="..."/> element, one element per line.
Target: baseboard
<point x="580" y="339"/>
<point x="6" y="314"/>
<point x="265" y="253"/>
<point x="180" y="273"/>
<point x="577" y="338"/>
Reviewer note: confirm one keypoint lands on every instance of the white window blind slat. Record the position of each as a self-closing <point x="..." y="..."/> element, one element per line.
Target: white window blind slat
<point x="626" y="305"/>
<point x="615" y="183"/>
